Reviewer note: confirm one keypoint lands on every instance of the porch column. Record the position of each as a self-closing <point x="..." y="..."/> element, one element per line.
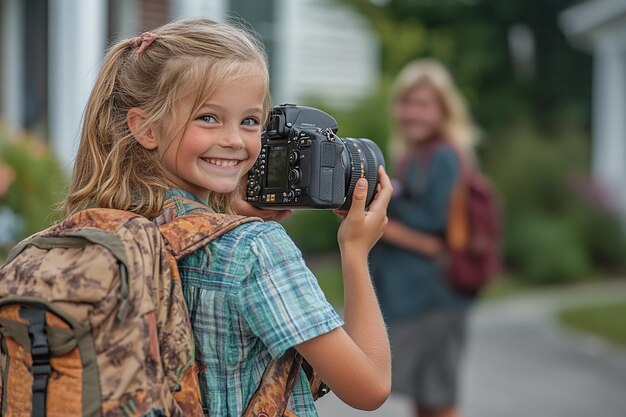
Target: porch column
<point x="609" y="121"/>
<point x="77" y="40"/>
<point x="12" y="108"/>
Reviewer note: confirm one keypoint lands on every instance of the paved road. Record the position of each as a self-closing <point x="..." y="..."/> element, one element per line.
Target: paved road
<point x="520" y="363"/>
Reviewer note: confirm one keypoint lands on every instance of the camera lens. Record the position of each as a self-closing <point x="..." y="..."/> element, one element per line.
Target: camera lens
<point x="361" y="159"/>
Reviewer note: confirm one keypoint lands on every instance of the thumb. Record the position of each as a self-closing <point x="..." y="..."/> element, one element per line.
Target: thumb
<point x="358" y="198"/>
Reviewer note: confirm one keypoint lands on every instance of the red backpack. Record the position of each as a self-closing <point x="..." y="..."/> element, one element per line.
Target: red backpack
<point x="474" y="229"/>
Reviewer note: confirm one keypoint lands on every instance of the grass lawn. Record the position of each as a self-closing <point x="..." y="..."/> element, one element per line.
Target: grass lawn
<point x="505" y="287"/>
<point x="605" y="320"/>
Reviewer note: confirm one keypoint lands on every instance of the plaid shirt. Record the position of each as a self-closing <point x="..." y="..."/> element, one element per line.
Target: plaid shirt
<point x="250" y="297"/>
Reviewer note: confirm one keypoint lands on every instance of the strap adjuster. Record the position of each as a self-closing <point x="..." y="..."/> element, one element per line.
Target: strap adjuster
<point x="40" y="355"/>
<point x="42" y="370"/>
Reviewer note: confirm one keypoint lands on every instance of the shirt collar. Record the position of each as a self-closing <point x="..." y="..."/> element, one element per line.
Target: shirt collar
<point x="177" y="192"/>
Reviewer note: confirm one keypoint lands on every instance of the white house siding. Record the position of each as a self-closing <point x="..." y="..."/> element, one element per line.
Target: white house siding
<point x="213" y="9"/>
<point x="323" y="50"/>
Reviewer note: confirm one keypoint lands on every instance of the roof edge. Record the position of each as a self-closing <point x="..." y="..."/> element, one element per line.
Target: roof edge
<point x="580" y="20"/>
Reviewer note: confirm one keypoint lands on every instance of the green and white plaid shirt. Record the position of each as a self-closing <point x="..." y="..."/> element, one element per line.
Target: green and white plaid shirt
<point x="250" y="297"/>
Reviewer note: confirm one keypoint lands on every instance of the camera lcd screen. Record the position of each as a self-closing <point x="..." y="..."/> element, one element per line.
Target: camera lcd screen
<point x="277" y="165"/>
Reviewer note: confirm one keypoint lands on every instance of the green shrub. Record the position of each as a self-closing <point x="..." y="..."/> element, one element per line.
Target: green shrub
<point x="603" y="236"/>
<point x="547" y="250"/>
<point x="314" y="231"/>
<point x="555" y="232"/>
<point x="38" y="184"/>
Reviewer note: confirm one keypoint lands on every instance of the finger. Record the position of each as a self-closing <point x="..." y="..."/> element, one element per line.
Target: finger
<point x="357" y="209"/>
<point x="383" y="196"/>
<point x="341" y="213"/>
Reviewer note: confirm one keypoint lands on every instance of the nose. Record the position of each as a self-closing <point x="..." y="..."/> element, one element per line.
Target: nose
<point x="232" y="138"/>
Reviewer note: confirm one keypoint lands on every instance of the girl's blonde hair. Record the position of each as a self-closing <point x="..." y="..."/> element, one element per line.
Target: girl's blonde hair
<point x="458" y="126"/>
<point x="189" y="56"/>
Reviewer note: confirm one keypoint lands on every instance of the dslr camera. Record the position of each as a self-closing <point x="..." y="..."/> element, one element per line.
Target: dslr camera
<point x="304" y="164"/>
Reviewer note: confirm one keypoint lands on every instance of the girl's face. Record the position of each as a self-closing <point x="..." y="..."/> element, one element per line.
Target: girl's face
<point x="222" y="141"/>
<point x="419" y="114"/>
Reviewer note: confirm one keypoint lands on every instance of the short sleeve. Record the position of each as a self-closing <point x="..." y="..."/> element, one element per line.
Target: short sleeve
<point x="280" y="299"/>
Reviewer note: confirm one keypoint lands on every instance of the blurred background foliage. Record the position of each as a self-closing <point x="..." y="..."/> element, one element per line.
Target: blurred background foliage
<point x="559" y="225"/>
<point x="36" y="184"/>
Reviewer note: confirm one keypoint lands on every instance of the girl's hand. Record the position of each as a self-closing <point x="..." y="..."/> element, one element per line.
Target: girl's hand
<point x="243" y="208"/>
<point x="360" y="229"/>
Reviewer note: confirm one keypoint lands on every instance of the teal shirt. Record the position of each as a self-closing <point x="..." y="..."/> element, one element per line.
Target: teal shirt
<point x="408" y="283"/>
<point x="250" y="297"/>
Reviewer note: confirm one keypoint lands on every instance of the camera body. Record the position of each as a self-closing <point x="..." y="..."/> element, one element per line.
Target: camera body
<point x="304" y="164"/>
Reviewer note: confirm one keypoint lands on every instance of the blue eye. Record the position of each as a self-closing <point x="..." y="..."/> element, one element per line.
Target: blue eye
<point x="207" y="118"/>
<point x="250" y="121"/>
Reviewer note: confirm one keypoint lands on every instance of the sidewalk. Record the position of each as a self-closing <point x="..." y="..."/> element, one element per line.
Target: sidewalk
<point x="520" y="363"/>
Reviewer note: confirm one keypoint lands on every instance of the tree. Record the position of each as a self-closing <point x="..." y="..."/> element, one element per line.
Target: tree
<point x="472" y="38"/>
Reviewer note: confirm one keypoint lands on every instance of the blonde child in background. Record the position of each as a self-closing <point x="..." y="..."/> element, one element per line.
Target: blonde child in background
<point x="426" y="316"/>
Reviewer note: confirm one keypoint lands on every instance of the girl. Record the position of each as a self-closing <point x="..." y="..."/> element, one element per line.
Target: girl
<point x="176" y="115"/>
<point x="426" y="317"/>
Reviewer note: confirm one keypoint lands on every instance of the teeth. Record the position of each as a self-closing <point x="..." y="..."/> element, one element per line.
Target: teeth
<point x="223" y="162"/>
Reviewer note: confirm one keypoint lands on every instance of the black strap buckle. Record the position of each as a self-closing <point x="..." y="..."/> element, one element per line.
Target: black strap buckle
<point x="40" y="354"/>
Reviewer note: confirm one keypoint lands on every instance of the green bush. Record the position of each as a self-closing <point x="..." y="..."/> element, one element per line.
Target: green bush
<point x="314" y="231"/>
<point x="547" y="250"/>
<point x="38" y="184"/>
<point x="552" y="233"/>
<point x="603" y="236"/>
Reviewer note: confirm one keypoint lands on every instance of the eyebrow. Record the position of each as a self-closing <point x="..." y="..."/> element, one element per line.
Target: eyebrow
<point x="218" y="107"/>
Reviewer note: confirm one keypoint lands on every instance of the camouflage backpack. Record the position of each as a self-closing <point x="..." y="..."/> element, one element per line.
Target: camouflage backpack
<point x="93" y="321"/>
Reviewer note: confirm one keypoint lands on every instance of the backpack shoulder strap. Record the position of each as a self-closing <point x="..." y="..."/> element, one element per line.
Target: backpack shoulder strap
<point x="272" y="395"/>
<point x="186" y="234"/>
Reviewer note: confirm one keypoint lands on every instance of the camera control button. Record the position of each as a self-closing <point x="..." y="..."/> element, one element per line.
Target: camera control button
<point x="254" y="191"/>
<point x="294" y="175"/>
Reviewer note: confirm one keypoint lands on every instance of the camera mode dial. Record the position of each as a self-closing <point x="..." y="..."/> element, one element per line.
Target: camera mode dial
<point x="294" y="156"/>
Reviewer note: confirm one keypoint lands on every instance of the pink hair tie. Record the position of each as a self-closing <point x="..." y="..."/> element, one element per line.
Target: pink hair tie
<point x="142" y="42"/>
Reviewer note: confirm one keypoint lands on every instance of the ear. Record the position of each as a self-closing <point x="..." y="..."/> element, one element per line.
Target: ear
<point x="136" y="119"/>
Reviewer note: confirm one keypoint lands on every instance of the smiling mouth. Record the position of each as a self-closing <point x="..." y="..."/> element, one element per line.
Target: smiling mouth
<point x="225" y="163"/>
